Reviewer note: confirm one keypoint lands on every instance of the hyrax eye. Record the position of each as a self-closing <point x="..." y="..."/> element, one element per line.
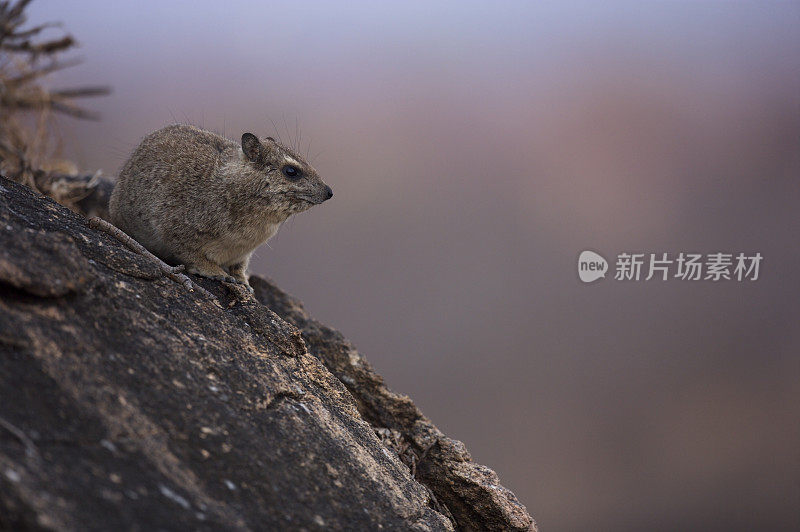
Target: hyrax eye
<point x="292" y="172"/>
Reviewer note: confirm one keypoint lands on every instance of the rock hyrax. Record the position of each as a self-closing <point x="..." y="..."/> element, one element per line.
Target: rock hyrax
<point x="193" y="197"/>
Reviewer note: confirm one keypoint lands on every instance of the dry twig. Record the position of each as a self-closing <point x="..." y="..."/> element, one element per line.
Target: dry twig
<point x="27" y="107"/>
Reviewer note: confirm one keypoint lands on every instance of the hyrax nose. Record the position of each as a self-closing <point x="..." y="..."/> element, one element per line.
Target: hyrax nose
<point x="328" y="192"/>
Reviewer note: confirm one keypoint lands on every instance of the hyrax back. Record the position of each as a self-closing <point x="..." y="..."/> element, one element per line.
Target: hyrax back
<point x="193" y="197"/>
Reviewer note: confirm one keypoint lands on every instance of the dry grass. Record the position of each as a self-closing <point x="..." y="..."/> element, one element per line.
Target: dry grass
<point x="27" y="107"/>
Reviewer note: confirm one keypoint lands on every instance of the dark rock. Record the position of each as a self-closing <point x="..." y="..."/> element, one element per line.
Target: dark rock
<point x="471" y="493"/>
<point x="129" y="402"/>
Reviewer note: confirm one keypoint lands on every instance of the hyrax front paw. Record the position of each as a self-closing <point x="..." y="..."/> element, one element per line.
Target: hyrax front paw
<point x="224" y="278"/>
<point x="243" y="281"/>
<point x="239" y="271"/>
<point x="249" y="288"/>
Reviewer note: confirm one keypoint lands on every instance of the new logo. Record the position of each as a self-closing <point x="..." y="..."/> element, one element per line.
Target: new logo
<point x="591" y="266"/>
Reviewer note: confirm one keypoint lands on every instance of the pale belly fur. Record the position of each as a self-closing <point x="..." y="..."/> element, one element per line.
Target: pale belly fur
<point x="236" y="246"/>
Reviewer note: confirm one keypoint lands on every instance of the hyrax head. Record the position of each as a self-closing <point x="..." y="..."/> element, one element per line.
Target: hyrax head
<point x="294" y="185"/>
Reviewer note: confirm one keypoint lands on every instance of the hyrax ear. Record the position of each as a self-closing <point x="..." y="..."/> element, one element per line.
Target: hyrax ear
<point x="251" y="147"/>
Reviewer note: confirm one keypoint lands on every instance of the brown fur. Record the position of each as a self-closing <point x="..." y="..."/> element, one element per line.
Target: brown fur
<point x="193" y="197"/>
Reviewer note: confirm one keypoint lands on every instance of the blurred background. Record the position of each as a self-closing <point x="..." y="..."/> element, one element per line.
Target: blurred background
<point x="475" y="149"/>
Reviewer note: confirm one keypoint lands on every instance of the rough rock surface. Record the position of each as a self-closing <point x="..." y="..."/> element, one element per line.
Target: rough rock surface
<point x="128" y="402"/>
